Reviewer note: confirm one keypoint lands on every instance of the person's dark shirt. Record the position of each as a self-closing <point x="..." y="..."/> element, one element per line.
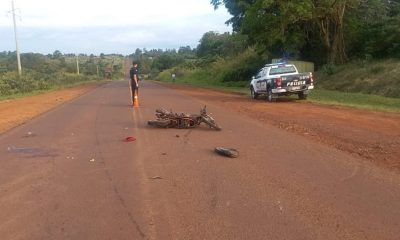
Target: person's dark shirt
<point x="134" y="71"/>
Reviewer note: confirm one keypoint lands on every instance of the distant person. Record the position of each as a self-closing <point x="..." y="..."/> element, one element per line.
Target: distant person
<point x="134" y="80"/>
<point x="173" y="77"/>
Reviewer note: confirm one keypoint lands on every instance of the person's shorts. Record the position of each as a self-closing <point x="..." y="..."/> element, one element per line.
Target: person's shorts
<point x="133" y="85"/>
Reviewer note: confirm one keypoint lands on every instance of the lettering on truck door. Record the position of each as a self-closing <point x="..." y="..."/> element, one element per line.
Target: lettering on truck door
<point x="261" y="84"/>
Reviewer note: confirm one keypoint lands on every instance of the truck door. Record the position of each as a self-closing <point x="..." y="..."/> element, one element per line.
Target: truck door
<point x="261" y="82"/>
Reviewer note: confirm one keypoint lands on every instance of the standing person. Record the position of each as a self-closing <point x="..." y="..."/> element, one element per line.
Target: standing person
<point x="134" y="80"/>
<point x="173" y="77"/>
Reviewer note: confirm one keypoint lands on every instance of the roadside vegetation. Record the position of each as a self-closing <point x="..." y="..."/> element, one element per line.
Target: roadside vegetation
<point x="353" y="44"/>
<point x="46" y="72"/>
<point x="378" y="77"/>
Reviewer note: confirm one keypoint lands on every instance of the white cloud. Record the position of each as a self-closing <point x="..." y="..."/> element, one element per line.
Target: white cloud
<point x="109" y="26"/>
<point x="105" y="13"/>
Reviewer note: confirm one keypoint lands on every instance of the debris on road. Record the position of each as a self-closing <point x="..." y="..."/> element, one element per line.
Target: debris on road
<point x="130" y="139"/>
<point x="227" y="152"/>
<point x="91" y="160"/>
<point x="30" y="134"/>
<point x="164" y="154"/>
<point x="177" y="135"/>
<point x="156" y="177"/>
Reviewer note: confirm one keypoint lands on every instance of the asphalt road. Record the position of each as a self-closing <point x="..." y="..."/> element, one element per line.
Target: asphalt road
<point x="68" y="174"/>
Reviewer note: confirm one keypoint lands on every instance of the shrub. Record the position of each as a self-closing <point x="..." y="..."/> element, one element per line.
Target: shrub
<point x="11" y="83"/>
<point x="240" y="68"/>
<point x="329" y="69"/>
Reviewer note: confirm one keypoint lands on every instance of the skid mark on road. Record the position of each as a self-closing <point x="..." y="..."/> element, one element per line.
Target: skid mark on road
<point x="118" y="195"/>
<point x="122" y="201"/>
<point x="141" y="143"/>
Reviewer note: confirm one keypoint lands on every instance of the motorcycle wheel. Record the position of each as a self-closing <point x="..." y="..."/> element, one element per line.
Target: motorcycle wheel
<point x="211" y="123"/>
<point x="162" y="123"/>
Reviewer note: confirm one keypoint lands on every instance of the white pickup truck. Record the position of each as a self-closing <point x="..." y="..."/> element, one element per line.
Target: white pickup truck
<point x="280" y="79"/>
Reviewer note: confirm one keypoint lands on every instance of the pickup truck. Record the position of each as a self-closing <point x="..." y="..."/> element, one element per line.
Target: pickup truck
<point x="281" y="79"/>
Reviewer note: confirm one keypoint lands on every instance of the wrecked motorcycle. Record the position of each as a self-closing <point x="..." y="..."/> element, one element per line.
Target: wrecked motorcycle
<point x="167" y="119"/>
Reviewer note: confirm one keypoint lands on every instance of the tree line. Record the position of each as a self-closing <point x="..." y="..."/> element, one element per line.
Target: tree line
<point x="322" y="31"/>
<point x="43" y="72"/>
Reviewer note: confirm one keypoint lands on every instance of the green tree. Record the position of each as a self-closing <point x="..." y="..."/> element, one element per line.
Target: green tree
<point x="57" y="54"/>
<point x="214" y="44"/>
<point x="166" y="61"/>
<point x="283" y="26"/>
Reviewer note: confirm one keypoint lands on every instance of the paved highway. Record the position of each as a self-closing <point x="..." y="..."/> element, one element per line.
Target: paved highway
<point x="68" y="174"/>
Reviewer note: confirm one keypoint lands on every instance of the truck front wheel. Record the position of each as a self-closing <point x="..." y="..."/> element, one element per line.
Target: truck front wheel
<point x="253" y="93"/>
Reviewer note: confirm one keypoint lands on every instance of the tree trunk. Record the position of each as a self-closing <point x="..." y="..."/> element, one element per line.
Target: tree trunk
<point x="331" y="28"/>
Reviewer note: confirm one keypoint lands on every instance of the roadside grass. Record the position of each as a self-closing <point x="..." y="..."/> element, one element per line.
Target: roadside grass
<point x="355" y="100"/>
<point x="52" y="89"/>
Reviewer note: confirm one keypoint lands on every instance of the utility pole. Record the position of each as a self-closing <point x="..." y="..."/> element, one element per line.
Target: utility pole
<point x="77" y="65"/>
<point x="16" y="39"/>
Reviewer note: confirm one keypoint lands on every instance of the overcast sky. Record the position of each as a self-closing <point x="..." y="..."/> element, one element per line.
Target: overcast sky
<point x="117" y="26"/>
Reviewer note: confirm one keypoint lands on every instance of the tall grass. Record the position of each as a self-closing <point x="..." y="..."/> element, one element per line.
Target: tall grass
<point x="378" y="77"/>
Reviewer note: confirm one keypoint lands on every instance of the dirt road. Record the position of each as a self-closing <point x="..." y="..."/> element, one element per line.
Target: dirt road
<point x="68" y="174"/>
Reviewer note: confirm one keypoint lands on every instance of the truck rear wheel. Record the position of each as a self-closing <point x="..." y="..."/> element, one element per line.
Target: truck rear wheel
<point x="270" y="97"/>
<point x="302" y="96"/>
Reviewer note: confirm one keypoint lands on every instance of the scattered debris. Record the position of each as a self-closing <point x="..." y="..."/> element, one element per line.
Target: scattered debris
<point x="30" y="134"/>
<point x="177" y="135"/>
<point x="280" y="205"/>
<point x="156" y="177"/>
<point x="164" y="154"/>
<point x="130" y="139"/>
<point x="91" y="160"/>
<point x="228" y="152"/>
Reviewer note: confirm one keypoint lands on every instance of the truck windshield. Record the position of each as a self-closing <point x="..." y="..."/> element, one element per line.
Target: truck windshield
<point x="282" y="70"/>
